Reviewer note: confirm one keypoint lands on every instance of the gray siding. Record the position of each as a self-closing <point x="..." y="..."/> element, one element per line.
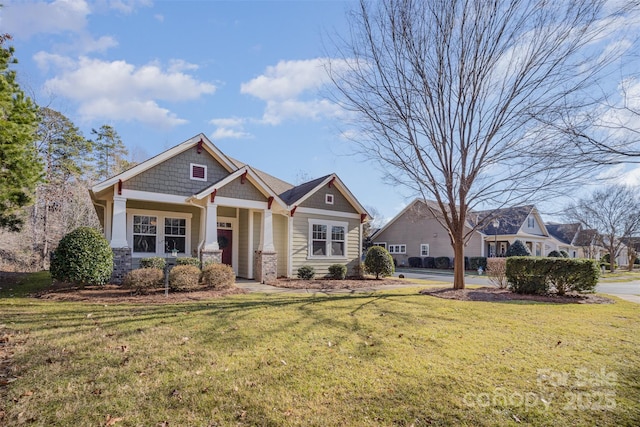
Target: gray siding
<point x="243" y="244"/>
<point x="173" y="175"/>
<point x="246" y="191"/>
<point x="301" y="245"/>
<point x="340" y="203"/>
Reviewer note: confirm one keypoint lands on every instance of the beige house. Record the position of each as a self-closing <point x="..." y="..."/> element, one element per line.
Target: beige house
<point x="197" y="201"/>
<point x="415" y="232"/>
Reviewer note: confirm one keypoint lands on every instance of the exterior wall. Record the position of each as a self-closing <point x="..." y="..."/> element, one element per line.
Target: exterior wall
<point x="536" y="229"/>
<point x="280" y="231"/>
<point x="246" y="191"/>
<point x="173" y="175"/>
<point x="340" y="203"/>
<point x="300" y="248"/>
<point x="243" y="244"/>
<point x="257" y="221"/>
<point x="121" y="264"/>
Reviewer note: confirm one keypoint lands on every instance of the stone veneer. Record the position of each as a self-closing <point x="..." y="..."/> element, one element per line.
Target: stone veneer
<point x="207" y="257"/>
<point x="266" y="267"/>
<point x="121" y="264"/>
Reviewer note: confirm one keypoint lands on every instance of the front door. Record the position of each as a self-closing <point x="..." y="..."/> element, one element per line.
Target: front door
<point x="225" y="243"/>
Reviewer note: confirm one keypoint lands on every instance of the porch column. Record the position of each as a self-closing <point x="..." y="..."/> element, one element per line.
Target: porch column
<point x="119" y="223"/>
<point x="266" y="243"/>
<point x="211" y="252"/>
<point x="211" y="236"/>
<point x="266" y="261"/>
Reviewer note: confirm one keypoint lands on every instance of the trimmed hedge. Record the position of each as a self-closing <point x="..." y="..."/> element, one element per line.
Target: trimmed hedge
<point x="184" y="278"/>
<point x="337" y="271"/>
<point x="379" y="262"/>
<point x="476" y="262"/>
<point x="218" y="276"/>
<point x="442" y="262"/>
<point x="83" y="257"/>
<point x="415" y="262"/>
<point x="188" y="261"/>
<point x="142" y="279"/>
<point x="153" y="262"/>
<point x="527" y="275"/>
<point x="428" y="262"/>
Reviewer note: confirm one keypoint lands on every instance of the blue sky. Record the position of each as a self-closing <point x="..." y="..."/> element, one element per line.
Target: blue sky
<point x="248" y="74"/>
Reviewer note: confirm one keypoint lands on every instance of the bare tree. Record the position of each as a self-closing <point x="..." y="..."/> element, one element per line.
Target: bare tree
<point x="464" y="102"/>
<point x="613" y="211"/>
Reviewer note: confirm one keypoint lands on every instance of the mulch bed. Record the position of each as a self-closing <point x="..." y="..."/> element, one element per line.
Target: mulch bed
<point x="498" y="295"/>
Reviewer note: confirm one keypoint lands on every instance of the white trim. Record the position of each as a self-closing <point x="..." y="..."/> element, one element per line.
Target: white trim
<point x="250" y="226"/>
<point x="329" y="198"/>
<point x="422" y="245"/>
<point x="193" y="178"/>
<point x="339" y="185"/>
<point x="160" y="215"/>
<point x="315" y="211"/>
<point x="328" y="224"/>
<point x="234" y="240"/>
<point x="240" y="203"/>
<point x="399" y="247"/>
<point x="381" y="244"/>
<point x="290" y="244"/>
<point x="154" y="197"/>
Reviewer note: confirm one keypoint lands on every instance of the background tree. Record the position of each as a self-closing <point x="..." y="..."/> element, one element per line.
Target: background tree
<point x="614" y="212"/>
<point x="20" y="169"/>
<point x="65" y="154"/>
<point x="464" y="102"/>
<point x="110" y="153"/>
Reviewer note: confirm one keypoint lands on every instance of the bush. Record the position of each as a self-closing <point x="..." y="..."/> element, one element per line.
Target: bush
<point x="337" y="271"/>
<point x="154" y="262"/>
<point x="415" y="262"/>
<point x="537" y="275"/>
<point x="83" y="257"/>
<point x="428" y="262"/>
<point x="555" y="254"/>
<point x="184" y="278"/>
<point x="497" y="271"/>
<point x="379" y="262"/>
<point x="476" y="262"/>
<point x="442" y="262"/>
<point x="306" y="272"/>
<point x="518" y="249"/>
<point x="218" y="276"/>
<point x="188" y="261"/>
<point x="142" y="279"/>
<point x="358" y="270"/>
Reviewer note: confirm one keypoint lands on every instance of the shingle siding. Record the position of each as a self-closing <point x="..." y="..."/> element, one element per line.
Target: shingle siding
<point x="236" y="190"/>
<point x="317" y="201"/>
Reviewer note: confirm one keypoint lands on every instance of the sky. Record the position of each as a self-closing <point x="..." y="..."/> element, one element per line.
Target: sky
<point x="248" y="74"/>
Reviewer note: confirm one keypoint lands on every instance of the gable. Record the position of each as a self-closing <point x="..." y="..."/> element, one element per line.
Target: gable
<point x="533" y="225"/>
<point x="237" y="190"/>
<point x="173" y="176"/>
<point x="318" y="200"/>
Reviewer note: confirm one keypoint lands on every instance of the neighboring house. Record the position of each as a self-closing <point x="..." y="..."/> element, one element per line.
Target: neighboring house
<point x="415" y="232"/>
<point x="196" y="200"/>
<point x="564" y="237"/>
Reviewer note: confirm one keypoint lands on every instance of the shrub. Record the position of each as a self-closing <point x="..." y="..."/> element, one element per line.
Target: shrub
<point x="518" y="249"/>
<point x="218" y="276"/>
<point x="555" y="254"/>
<point x="415" y="262"/>
<point x="442" y="262"/>
<point x="337" y="271"/>
<point x="142" y="279"/>
<point x="428" y="262"/>
<point x="526" y="276"/>
<point x="83" y="257"/>
<point x="188" y="261"/>
<point x="497" y="271"/>
<point x="306" y="272"/>
<point x="154" y="262"/>
<point x="379" y="262"/>
<point x="476" y="262"/>
<point x="536" y="275"/>
<point x="184" y="278"/>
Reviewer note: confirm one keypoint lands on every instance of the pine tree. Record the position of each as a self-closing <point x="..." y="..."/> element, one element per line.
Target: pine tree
<point x="20" y="168"/>
<point x="110" y="152"/>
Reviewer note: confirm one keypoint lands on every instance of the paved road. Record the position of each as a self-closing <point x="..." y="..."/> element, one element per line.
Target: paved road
<point x="629" y="291"/>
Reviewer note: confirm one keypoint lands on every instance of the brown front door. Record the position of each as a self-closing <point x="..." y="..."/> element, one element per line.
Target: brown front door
<point x="225" y="240"/>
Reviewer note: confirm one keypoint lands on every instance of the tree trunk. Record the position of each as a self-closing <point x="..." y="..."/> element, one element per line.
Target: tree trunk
<point x="458" y="262"/>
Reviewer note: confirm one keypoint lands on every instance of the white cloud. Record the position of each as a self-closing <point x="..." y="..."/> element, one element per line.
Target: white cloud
<point x="229" y="128"/>
<point x="228" y="122"/>
<point x="26" y="18"/>
<point x="290" y="89"/>
<point x="119" y="90"/>
<point x="226" y="133"/>
<point x="177" y="65"/>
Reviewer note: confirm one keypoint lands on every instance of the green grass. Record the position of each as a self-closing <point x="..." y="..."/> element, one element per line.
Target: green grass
<point x="386" y="358"/>
<point x="23" y="284"/>
<point x="619" y="276"/>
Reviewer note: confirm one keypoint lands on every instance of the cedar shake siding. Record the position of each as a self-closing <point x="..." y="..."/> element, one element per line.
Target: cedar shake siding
<point x="247" y="191"/>
<point x="318" y="201"/>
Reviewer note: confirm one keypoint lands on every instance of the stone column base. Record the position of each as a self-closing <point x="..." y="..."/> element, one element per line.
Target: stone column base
<point x="211" y="257"/>
<point x="265" y="267"/>
<point x="121" y="264"/>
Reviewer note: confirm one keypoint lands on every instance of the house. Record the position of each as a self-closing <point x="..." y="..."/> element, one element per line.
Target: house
<point x="196" y="200"/>
<point x="416" y="232"/>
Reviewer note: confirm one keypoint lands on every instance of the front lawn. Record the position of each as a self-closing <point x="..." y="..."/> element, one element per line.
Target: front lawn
<point x="392" y="358"/>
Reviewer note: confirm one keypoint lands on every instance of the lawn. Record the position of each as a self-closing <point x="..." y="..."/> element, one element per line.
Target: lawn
<point x="392" y="358"/>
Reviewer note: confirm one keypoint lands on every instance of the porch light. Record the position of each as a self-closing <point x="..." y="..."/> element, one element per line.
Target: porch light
<point x="174" y="252"/>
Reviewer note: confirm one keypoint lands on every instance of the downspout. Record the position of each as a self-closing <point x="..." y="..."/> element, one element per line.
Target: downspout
<point x="203" y="213"/>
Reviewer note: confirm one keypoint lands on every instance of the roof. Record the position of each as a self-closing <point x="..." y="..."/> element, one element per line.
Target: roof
<point x="294" y="194"/>
<point x="510" y="220"/>
<point x="566" y="233"/>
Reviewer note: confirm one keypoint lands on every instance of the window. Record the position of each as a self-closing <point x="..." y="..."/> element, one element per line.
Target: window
<point x="144" y="233"/>
<point x="397" y="249"/>
<point x="381" y="244"/>
<point x="424" y="249"/>
<point x="327" y="239"/>
<point x="198" y="172"/>
<point x="531" y="222"/>
<point x="175" y="234"/>
<point x="328" y="199"/>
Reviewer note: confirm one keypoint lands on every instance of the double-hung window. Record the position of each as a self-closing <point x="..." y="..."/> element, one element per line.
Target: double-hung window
<point x="397" y="249"/>
<point x="145" y="233"/>
<point x="327" y="239"/>
<point x="424" y="249"/>
<point x="158" y="232"/>
<point x="175" y="234"/>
